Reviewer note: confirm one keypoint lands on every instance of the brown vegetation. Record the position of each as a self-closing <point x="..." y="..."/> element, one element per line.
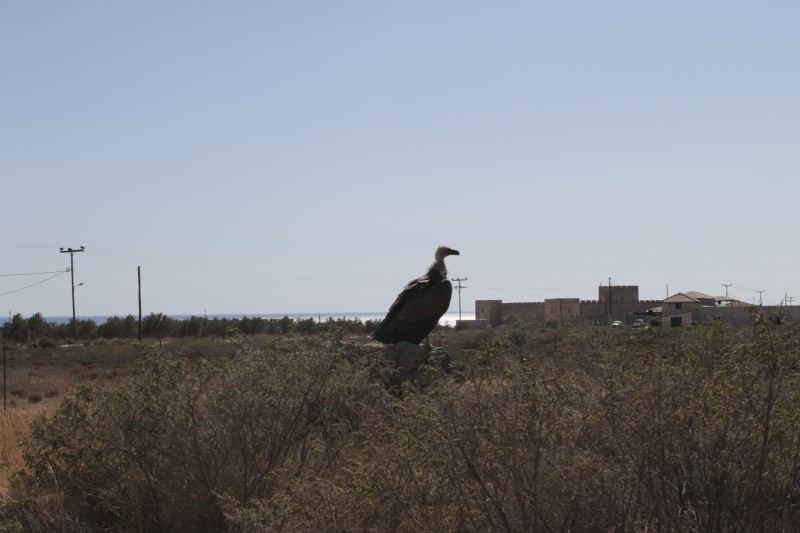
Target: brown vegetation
<point x="696" y="429"/>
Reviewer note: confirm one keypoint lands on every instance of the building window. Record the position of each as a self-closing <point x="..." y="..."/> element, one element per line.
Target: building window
<point x="678" y="306"/>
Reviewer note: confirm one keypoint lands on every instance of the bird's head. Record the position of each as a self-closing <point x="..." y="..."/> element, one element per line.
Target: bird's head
<point x="444" y="251"/>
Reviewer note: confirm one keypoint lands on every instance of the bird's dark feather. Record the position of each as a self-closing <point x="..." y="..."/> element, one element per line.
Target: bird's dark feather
<point x="417" y="310"/>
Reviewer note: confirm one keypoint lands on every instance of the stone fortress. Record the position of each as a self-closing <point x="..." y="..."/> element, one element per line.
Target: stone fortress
<point x="617" y="302"/>
<point x="621" y="302"/>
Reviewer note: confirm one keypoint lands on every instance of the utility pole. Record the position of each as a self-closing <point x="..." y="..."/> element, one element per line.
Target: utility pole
<point x="789" y="300"/>
<point x="458" y="288"/>
<point x="5" y="407"/>
<point x="139" y="273"/>
<point x="72" y="253"/>
<point x="759" y="296"/>
<point x="726" y="285"/>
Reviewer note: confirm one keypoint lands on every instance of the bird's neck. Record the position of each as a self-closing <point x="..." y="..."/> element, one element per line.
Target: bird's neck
<point x="439" y="268"/>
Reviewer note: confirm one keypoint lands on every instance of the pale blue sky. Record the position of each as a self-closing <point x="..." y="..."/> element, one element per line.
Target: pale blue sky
<point x="281" y="157"/>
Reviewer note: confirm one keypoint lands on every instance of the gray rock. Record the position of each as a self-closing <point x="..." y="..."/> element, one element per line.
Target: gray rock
<point x="414" y="363"/>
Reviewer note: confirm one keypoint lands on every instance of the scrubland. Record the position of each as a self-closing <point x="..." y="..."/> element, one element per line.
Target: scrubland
<point x="691" y="429"/>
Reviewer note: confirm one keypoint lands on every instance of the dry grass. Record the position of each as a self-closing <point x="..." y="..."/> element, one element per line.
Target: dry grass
<point x="15" y="427"/>
<point x="38" y="379"/>
<point x="534" y="430"/>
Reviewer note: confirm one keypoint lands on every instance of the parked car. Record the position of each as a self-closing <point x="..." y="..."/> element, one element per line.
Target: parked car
<point x="616" y="324"/>
<point x="639" y="323"/>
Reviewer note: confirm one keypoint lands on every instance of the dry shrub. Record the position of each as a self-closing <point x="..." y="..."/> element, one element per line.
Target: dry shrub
<point x="14" y="427"/>
<point x="690" y="430"/>
<point x="163" y="449"/>
<point x="697" y="430"/>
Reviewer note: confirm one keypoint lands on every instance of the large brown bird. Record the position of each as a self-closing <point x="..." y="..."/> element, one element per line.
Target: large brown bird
<point x="417" y="309"/>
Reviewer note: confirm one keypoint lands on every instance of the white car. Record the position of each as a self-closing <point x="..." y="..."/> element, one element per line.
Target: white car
<point x="639" y="323"/>
<point x="616" y="324"/>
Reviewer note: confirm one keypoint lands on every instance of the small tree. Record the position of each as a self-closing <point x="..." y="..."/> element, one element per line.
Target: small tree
<point x="17" y="329"/>
<point x="36" y="324"/>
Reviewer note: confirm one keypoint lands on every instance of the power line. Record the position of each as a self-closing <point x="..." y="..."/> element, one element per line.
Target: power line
<point x="32" y="273"/>
<point x="35" y="284"/>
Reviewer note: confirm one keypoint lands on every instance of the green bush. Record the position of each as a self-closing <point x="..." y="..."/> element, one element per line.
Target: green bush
<point x="35" y="397"/>
<point x="47" y="342"/>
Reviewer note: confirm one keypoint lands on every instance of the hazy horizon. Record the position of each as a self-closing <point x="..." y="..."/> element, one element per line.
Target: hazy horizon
<point x="450" y="318"/>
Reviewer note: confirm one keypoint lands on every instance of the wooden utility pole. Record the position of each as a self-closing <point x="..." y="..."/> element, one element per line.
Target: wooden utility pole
<point x="72" y="253"/>
<point x="5" y="407"/>
<point x="139" y="274"/>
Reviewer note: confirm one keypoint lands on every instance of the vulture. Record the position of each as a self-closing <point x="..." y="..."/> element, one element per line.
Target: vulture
<point x="420" y="305"/>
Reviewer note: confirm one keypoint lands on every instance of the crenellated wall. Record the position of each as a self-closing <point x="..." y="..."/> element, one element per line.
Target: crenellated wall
<point x="562" y="310"/>
<point x="529" y="311"/>
<point x="620" y="306"/>
<point x="489" y="310"/>
<point x="619" y="293"/>
<point x="623" y="304"/>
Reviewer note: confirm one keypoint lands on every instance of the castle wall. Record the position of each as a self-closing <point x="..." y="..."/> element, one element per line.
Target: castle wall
<point x="624" y="305"/>
<point x="596" y="312"/>
<point x="489" y="310"/>
<point x="525" y="311"/>
<point x="562" y="310"/>
<point x="619" y="293"/>
<point x="739" y="315"/>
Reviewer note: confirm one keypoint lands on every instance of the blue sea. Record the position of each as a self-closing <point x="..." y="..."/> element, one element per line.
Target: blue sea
<point x="449" y="319"/>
